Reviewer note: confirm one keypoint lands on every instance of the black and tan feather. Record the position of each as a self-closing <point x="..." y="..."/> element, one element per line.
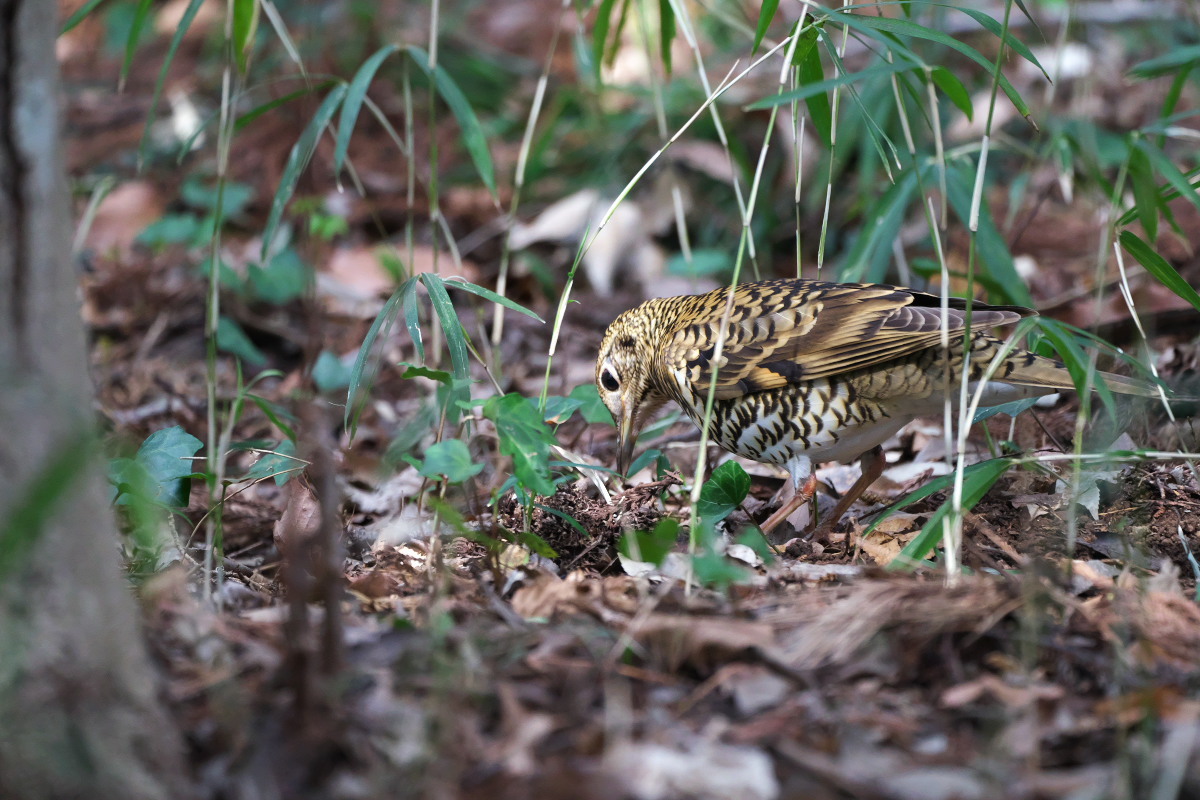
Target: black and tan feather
<point x="812" y="371"/>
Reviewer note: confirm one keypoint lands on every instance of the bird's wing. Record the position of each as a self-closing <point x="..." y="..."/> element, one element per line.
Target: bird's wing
<point x="783" y="332"/>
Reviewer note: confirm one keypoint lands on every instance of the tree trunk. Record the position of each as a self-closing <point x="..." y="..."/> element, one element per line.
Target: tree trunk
<point x="80" y="714"/>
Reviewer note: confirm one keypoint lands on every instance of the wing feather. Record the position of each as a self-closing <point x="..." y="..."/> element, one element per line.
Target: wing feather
<point x="788" y="331"/>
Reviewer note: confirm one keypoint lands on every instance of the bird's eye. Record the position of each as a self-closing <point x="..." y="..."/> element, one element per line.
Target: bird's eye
<point x="609" y="381"/>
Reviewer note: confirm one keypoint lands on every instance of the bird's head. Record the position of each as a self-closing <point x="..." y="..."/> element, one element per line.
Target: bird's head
<point x="624" y="375"/>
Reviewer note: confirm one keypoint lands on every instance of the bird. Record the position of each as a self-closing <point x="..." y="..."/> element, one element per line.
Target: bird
<point x="813" y="371"/>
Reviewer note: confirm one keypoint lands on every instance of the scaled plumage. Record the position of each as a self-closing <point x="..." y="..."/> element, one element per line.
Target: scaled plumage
<point x="812" y="371"/>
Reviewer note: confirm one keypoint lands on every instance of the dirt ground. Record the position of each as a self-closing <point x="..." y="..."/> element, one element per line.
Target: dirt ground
<point x="1063" y="663"/>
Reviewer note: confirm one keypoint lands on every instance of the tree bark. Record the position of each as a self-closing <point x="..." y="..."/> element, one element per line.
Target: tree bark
<point x="80" y="714"/>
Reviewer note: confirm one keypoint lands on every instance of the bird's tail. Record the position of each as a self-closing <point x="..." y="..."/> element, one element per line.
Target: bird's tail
<point x="1032" y="370"/>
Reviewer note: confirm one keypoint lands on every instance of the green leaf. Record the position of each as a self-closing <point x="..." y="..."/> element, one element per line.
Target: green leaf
<point x="456" y="338"/>
<point x="559" y="409"/>
<point x="1172" y="60"/>
<point x="80" y="15"/>
<point x="666" y="30"/>
<point x="811" y="73"/>
<point x="456" y="282"/>
<point x="899" y="27"/>
<point x="651" y="546"/>
<point x="281" y="281"/>
<point x="280" y="465"/>
<point x="245" y="25"/>
<point x="473" y="135"/>
<point x="1012" y="409"/>
<point x="1146" y="200"/>
<point x="993" y="246"/>
<point x="185" y="229"/>
<point x="1066" y="345"/>
<point x="135" y="35"/>
<point x="953" y="88"/>
<point x="1178" y="181"/>
<point x="651" y="456"/>
<point x="366" y="365"/>
<point x="1157" y="266"/>
<point x="715" y="570"/>
<point x="820" y="86"/>
<point x="600" y="29"/>
<point x="245" y="119"/>
<point x="201" y="195"/>
<point x="525" y="437"/>
<point x="167" y="457"/>
<point x="724" y="491"/>
<point x="330" y="372"/>
<point x="977" y="479"/>
<point x="232" y="339"/>
<point x="871" y="256"/>
<point x="705" y="261"/>
<point x="592" y="408"/>
<point x="298" y="158"/>
<point x="758" y="543"/>
<point x="185" y="22"/>
<point x="279" y="416"/>
<point x="355" y="95"/>
<point x="765" y="14"/>
<point x="412" y="321"/>
<point x="997" y="29"/>
<point x="449" y="460"/>
<point x="414" y="371"/>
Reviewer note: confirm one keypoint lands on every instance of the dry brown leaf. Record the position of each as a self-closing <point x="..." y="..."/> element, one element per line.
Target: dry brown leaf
<point x="701" y="642"/>
<point x="121" y="216"/>
<point x="301" y="519"/>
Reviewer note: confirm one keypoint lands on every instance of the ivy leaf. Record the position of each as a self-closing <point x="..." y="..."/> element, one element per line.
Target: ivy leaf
<point x="723" y="492"/>
<point x="559" y="409"/>
<point x="591" y="406"/>
<point x="166" y="458"/>
<point x="525" y="437"/>
<point x="449" y="460"/>
<point x="651" y="546"/>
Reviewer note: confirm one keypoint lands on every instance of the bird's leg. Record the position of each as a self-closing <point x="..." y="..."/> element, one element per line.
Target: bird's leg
<point x="803" y="495"/>
<point x="872" y="463"/>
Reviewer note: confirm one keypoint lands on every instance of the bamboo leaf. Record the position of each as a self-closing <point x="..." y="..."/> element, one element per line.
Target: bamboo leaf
<point x="355" y="94"/>
<point x="135" y="33"/>
<point x="488" y="294"/>
<point x="245" y="26"/>
<point x="977" y="479"/>
<point x="765" y="14"/>
<point x="298" y="158"/>
<point x="185" y="22"/>
<point x="1157" y="266"/>
<point x="362" y="374"/>
<point x="473" y="137"/>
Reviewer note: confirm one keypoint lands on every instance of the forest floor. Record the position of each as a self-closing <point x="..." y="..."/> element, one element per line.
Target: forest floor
<point x="1063" y="663"/>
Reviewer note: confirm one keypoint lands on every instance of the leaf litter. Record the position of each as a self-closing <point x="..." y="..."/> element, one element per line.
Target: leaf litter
<point x="478" y="669"/>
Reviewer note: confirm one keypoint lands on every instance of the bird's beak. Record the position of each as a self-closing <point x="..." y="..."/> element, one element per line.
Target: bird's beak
<point x="626" y="436"/>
